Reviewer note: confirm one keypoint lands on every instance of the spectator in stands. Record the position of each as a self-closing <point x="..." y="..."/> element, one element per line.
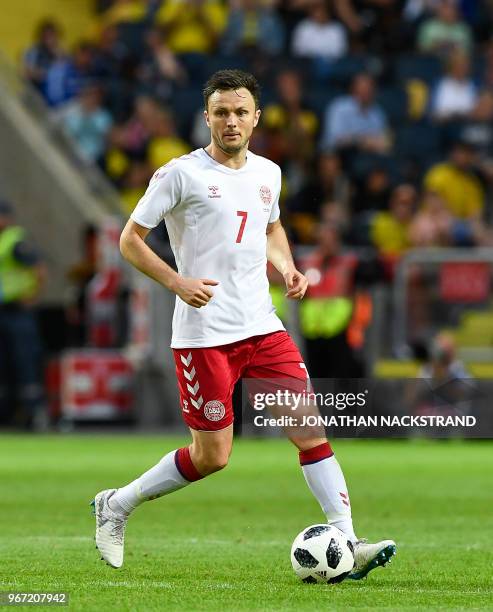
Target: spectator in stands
<point x="372" y="192"/>
<point x="478" y="128"/>
<point x="390" y="229"/>
<point x="164" y="144"/>
<point x="456" y="94"/>
<point x="39" y="58"/>
<point x="329" y="184"/>
<point x="336" y="214"/>
<point x="253" y="26"/>
<point x="443" y="364"/>
<point x="134" y="184"/>
<point x="88" y="123"/>
<point x="455" y="181"/>
<point x="160" y="70"/>
<point x="318" y="36"/>
<point x="123" y="11"/>
<point x="435" y="226"/>
<point x="138" y="129"/>
<point x="444" y="390"/>
<point x="128" y="141"/>
<point x="115" y="62"/>
<point x="356" y="120"/>
<point x="192" y="26"/>
<point x="445" y="31"/>
<point x="68" y="75"/>
<point x="290" y="124"/>
<point x="432" y="225"/>
<point x="374" y="24"/>
<point x="111" y="54"/>
<point x="416" y="10"/>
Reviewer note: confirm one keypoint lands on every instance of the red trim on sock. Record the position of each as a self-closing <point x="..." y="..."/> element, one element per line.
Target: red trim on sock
<point x="184" y="465"/>
<point x="316" y="454"/>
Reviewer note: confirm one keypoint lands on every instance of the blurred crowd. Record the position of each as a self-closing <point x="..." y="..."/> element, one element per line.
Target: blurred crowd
<point x="378" y="111"/>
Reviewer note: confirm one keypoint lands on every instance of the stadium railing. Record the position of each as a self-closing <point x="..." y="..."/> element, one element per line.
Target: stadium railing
<point x="456" y="284"/>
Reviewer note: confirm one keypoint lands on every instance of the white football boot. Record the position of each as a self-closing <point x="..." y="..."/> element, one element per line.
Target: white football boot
<point x="369" y="556"/>
<point x="110" y="529"/>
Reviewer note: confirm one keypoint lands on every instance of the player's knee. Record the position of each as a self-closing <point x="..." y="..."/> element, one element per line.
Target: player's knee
<point x="208" y="461"/>
<point x="213" y="463"/>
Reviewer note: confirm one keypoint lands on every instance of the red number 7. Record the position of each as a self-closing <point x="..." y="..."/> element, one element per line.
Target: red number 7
<point x="243" y="215"/>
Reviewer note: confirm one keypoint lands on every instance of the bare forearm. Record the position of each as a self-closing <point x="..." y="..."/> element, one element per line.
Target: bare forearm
<point x="278" y="250"/>
<point x="194" y="292"/>
<point x="135" y="251"/>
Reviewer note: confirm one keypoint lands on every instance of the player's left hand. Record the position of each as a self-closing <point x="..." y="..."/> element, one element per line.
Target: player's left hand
<point x="296" y="285"/>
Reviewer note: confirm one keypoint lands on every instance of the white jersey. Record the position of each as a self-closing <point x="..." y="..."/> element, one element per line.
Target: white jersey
<point x="216" y="219"/>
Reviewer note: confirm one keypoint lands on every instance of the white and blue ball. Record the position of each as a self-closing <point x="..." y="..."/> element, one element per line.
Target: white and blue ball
<point x="322" y="553"/>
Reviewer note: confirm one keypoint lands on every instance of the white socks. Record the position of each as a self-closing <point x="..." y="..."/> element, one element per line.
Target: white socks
<point x="326" y="481"/>
<point x="321" y="469"/>
<point x="161" y="479"/>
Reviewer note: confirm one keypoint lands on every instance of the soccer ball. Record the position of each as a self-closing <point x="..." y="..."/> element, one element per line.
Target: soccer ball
<point x="322" y="553"/>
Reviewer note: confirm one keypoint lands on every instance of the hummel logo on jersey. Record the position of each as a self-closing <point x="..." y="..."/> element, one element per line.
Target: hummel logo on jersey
<point x="213" y="191"/>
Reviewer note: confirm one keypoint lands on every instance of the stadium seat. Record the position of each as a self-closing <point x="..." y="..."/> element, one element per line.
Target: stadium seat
<point x="428" y="68"/>
<point x="451" y="131"/>
<point x="319" y="97"/>
<point x="196" y="65"/>
<point x="343" y="70"/>
<point x="419" y="142"/>
<point x="364" y="162"/>
<point x="220" y="62"/>
<point x="394" y="102"/>
<point x="132" y="36"/>
<point x="185" y="103"/>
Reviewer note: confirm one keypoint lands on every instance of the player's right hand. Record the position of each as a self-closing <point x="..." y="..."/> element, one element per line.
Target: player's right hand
<point x="195" y="291"/>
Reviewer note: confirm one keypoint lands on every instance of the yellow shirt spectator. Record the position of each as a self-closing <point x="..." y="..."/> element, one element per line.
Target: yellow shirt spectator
<point x="122" y="11"/>
<point x="275" y="117"/>
<point x="389" y="235"/>
<point x="461" y="190"/>
<point x="161" y="150"/>
<point x="129" y="198"/>
<point x="193" y="26"/>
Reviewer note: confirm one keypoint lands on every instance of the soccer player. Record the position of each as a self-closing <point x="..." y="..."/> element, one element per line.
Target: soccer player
<point x="221" y="207"/>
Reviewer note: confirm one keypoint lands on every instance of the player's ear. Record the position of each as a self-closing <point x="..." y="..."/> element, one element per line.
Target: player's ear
<point x="206" y="116"/>
<point x="257" y="117"/>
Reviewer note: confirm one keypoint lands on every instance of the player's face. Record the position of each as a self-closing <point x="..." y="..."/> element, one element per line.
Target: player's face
<point x="231" y="117"/>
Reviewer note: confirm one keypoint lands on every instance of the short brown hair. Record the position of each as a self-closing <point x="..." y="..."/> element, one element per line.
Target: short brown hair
<point x="227" y="80"/>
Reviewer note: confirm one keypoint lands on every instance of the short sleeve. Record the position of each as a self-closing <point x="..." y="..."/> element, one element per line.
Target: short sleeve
<point x="275" y="213"/>
<point x="162" y="195"/>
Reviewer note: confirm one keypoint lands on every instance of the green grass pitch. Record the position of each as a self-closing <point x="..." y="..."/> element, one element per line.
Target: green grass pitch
<point x="223" y="543"/>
